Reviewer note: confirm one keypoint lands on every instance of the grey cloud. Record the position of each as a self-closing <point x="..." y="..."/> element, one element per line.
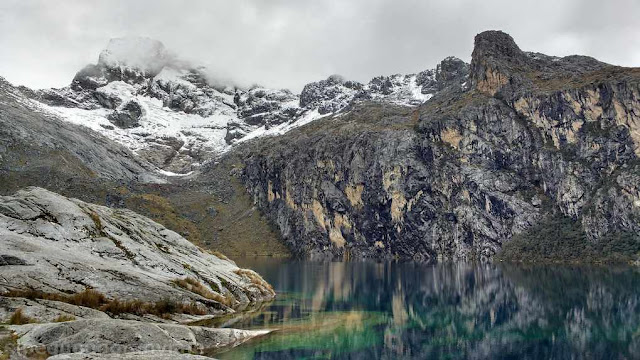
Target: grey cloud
<point x="287" y="43"/>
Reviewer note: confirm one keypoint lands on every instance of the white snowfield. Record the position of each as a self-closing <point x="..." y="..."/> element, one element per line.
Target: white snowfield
<point x="157" y="122"/>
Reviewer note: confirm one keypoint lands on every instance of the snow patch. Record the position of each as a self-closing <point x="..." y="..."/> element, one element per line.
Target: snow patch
<point x="283" y="128"/>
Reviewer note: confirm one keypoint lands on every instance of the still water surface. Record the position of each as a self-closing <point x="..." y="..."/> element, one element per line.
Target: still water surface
<point x="369" y="310"/>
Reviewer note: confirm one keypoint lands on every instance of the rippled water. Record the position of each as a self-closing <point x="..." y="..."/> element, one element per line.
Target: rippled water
<point x="368" y="310"/>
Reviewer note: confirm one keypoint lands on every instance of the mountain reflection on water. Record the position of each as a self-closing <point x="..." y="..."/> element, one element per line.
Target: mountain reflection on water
<point x="369" y="310"/>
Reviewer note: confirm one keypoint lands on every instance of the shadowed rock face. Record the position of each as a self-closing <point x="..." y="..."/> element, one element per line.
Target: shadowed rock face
<point x="533" y="137"/>
<point x="62" y="245"/>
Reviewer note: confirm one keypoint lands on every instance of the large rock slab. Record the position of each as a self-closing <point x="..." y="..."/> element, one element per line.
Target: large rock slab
<point x="123" y="336"/>
<point x="57" y="244"/>
<point x="46" y="310"/>
<point x="138" y="355"/>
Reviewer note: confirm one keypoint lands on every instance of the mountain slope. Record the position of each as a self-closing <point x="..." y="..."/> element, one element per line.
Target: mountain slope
<point x="38" y="149"/>
<point x="532" y="137"/>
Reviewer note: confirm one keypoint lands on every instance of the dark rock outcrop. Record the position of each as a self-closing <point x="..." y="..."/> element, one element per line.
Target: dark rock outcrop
<point x="127" y="116"/>
<point x="330" y="95"/>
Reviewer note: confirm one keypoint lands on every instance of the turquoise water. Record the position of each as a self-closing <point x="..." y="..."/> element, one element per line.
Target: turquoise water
<point x="369" y="310"/>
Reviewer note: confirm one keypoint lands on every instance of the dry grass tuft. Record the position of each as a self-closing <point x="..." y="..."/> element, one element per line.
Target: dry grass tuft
<point x="88" y="298"/>
<point x="160" y="308"/>
<point x="64" y="318"/>
<point x="193" y="285"/>
<point x="218" y="254"/>
<point x="96" y="220"/>
<point x="19" y="318"/>
<point x="93" y="299"/>
<point x="255" y="278"/>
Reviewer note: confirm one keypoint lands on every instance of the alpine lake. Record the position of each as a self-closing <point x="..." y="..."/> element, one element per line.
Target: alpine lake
<point x="405" y="310"/>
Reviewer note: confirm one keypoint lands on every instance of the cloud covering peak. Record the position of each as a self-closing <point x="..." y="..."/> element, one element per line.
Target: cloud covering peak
<point x="288" y="43"/>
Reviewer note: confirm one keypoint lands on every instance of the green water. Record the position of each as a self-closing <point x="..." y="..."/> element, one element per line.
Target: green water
<point x="368" y="310"/>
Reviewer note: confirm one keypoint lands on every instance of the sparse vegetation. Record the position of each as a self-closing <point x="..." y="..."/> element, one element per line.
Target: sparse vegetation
<point x="95" y="300"/>
<point x="218" y="254"/>
<point x="64" y="318"/>
<point x="19" y="318"/>
<point x="196" y="287"/>
<point x="164" y="248"/>
<point x="254" y="278"/>
<point x="162" y="210"/>
<point x="96" y="221"/>
<point x="87" y="298"/>
<point x="161" y="308"/>
<point x="560" y="81"/>
<point x="562" y="239"/>
<point x="8" y="344"/>
<point x="130" y="255"/>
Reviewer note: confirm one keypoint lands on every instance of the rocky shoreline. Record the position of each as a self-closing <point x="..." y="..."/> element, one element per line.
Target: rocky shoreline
<point x="73" y="272"/>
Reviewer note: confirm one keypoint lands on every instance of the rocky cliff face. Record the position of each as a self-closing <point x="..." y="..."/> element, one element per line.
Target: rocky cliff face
<point x="529" y="138"/>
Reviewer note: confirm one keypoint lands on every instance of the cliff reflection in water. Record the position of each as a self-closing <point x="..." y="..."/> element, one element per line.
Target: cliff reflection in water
<point x="405" y="310"/>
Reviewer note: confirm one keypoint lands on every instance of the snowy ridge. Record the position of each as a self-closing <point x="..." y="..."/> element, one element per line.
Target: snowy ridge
<point x="168" y="112"/>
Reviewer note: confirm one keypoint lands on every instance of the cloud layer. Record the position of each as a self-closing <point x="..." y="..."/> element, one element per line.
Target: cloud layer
<point x="287" y="43"/>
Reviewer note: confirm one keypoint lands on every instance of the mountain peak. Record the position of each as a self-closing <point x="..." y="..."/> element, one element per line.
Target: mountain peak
<point x="495" y="43"/>
<point x="495" y="58"/>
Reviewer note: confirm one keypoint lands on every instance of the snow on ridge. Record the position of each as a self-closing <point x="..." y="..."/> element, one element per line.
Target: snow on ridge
<point x="284" y="127"/>
<point x="209" y="133"/>
<point x="158" y="122"/>
<point x="171" y="114"/>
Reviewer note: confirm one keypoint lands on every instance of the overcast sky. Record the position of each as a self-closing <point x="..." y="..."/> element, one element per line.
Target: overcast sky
<point x="287" y="43"/>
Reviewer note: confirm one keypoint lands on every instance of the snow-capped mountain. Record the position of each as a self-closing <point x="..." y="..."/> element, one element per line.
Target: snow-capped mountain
<point x="171" y="113"/>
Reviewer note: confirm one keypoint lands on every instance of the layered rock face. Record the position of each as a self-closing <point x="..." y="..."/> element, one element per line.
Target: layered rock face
<point x="54" y="244"/>
<point x="530" y="137"/>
